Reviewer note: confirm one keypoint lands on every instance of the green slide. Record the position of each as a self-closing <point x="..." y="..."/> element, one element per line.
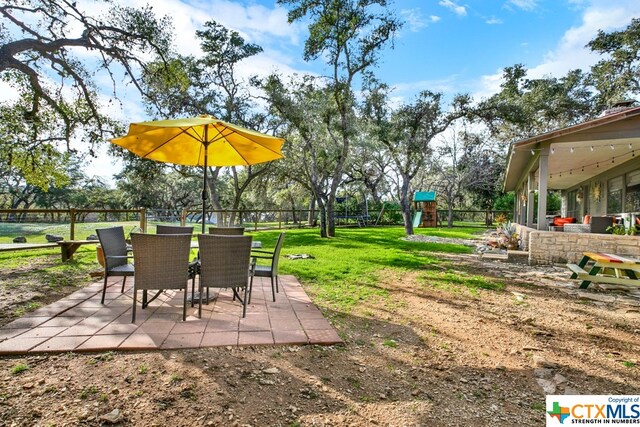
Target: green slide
<point x="417" y="219"/>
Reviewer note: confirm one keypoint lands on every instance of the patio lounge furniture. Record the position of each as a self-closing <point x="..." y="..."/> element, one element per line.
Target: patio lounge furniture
<point x="591" y="224"/>
<point x="116" y="260"/>
<point x="162" y="262"/>
<point x="559" y="223"/>
<point x="227" y="231"/>
<point x="270" y="271"/>
<point x="224" y="263"/>
<point x="173" y="229"/>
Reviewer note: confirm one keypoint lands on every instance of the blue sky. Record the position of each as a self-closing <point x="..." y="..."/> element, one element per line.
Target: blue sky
<point x="452" y="46"/>
<point x="448" y="45"/>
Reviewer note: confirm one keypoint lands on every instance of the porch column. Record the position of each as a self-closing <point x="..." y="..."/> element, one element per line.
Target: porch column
<point x="530" y="199"/>
<point x="523" y="206"/>
<point x="543" y="174"/>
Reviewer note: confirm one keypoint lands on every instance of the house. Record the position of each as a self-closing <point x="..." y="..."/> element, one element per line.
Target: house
<point x="595" y="166"/>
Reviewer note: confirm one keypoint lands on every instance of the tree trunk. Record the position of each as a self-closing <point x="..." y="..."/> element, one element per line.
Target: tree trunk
<point x="311" y="219"/>
<point x="213" y="192"/>
<point x="405" y="205"/>
<point x="331" y="218"/>
<point x="294" y="215"/>
<point x="450" y="216"/>
<point x="323" y="219"/>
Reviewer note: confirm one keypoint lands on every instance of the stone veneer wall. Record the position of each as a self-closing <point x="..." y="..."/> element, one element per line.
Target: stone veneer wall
<point x="548" y="247"/>
<point x="524" y="232"/>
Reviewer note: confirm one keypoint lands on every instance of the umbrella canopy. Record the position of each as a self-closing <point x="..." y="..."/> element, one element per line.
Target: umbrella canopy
<point x="200" y="141"/>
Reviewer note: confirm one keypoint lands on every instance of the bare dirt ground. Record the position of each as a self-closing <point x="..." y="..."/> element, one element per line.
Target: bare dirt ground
<point x="424" y="355"/>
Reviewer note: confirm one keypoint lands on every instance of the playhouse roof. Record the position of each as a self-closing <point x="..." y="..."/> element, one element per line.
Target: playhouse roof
<point x="424" y="196"/>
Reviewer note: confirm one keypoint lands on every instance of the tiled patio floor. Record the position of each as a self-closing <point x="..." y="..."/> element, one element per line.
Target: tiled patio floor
<point x="80" y="323"/>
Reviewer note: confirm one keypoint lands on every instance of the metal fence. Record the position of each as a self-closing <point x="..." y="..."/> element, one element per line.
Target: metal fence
<point x="35" y="225"/>
<point x="45" y="225"/>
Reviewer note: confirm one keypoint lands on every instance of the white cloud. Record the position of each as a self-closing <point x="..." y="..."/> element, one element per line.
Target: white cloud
<point x="256" y="23"/>
<point x="525" y="4"/>
<point x="416" y="21"/>
<point x="493" y="21"/>
<point x="488" y="85"/>
<point x="7" y="93"/>
<point x="570" y="52"/>
<point x="103" y="165"/>
<point x="455" y="8"/>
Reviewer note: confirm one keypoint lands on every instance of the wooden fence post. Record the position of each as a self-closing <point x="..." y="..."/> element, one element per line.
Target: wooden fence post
<point x="72" y="218"/>
<point x="280" y="219"/>
<point x="183" y="217"/>
<point x="143" y="220"/>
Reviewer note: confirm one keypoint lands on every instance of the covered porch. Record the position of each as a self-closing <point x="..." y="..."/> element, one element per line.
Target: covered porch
<point x="595" y="168"/>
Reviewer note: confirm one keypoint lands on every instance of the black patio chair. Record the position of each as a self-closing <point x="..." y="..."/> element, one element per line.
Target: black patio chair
<point x="162" y="263"/>
<point x="270" y="271"/>
<point x="227" y="231"/>
<point x="116" y="259"/>
<point x="173" y="229"/>
<point x="225" y="263"/>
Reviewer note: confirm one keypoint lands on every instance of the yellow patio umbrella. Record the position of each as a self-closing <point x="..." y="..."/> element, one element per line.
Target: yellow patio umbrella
<point x="200" y="141"/>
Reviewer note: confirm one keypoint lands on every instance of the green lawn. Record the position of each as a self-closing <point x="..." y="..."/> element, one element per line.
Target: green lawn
<point x="344" y="270"/>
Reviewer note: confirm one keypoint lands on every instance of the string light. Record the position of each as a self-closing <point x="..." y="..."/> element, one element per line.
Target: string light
<point x="597" y="164"/>
<point x="576" y="149"/>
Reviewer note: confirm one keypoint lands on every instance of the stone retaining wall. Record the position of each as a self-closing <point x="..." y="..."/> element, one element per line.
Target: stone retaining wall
<point x="524" y="232"/>
<point x="549" y="247"/>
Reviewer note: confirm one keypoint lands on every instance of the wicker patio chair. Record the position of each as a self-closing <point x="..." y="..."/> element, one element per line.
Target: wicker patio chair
<point x="227" y="231"/>
<point x="162" y="262"/>
<point x="270" y="271"/>
<point x="193" y="265"/>
<point x="116" y="260"/>
<point x="224" y="263"/>
<point x="173" y="229"/>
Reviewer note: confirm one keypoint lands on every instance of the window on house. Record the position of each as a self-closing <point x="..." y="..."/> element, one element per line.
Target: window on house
<point x="572" y="204"/>
<point x="614" y="195"/>
<point x="632" y="195"/>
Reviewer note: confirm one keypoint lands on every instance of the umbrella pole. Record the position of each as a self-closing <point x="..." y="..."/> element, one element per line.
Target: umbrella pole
<point x="204" y="182"/>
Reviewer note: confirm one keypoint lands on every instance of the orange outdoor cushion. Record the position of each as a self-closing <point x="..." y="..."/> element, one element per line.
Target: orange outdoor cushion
<point x="587" y="219"/>
<point x="559" y="222"/>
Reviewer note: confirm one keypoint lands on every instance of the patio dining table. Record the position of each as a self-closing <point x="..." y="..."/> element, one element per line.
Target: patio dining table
<point x="255" y="244"/>
<point x="598" y="266"/>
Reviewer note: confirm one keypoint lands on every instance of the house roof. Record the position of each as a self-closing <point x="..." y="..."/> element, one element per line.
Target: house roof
<point x="424" y="196"/>
<point x="579" y="152"/>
